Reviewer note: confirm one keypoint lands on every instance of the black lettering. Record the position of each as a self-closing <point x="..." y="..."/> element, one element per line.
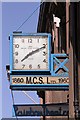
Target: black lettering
<point x="19" y="113"/>
<point x="21" y="80"/>
<point x="18" y="80"/>
<point x="31" y="112"/>
<point x="14" y="80"/>
<point x="47" y="112"/>
<point x="16" y="110"/>
<point x="65" y="112"/>
<point x="56" y="113"/>
<point x="60" y="109"/>
<point x="67" y="80"/>
<point x="28" y="113"/>
<point x="28" y="80"/>
<point x="41" y="80"/>
<point x="47" y="81"/>
<point x="53" y="82"/>
<point x="36" y="113"/>
<point x="59" y="80"/>
<point x="34" y="79"/>
<point x="63" y="80"/>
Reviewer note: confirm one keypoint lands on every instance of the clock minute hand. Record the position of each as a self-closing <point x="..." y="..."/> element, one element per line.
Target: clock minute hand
<point x="31" y="53"/>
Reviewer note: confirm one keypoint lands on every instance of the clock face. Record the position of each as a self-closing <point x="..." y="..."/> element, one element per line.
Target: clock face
<point x="30" y="52"/>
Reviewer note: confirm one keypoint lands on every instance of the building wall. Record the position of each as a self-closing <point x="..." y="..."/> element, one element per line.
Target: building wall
<point x="69" y="42"/>
<point x="78" y="45"/>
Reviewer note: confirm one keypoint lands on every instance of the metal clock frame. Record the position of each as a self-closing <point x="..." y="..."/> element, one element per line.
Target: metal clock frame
<point x="29" y="71"/>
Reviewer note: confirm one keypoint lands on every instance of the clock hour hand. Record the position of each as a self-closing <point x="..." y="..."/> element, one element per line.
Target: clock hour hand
<point x="33" y="52"/>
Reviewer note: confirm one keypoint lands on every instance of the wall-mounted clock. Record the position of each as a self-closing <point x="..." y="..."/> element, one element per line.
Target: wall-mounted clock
<point x="30" y="52"/>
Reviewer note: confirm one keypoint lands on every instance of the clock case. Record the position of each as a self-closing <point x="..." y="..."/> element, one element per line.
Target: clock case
<point x="30" y="72"/>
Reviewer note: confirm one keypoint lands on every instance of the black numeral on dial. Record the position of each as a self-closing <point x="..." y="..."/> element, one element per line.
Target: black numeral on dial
<point x="29" y="40"/>
<point x="16" y="61"/>
<point x="44" y="45"/>
<point x="30" y="66"/>
<point x="44" y="53"/>
<point x="16" y="46"/>
<point x="44" y="61"/>
<point x="16" y="53"/>
<point x="38" y="66"/>
<point x="23" y="66"/>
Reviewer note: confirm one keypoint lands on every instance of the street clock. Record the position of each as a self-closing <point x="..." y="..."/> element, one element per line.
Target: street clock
<point x="30" y="52"/>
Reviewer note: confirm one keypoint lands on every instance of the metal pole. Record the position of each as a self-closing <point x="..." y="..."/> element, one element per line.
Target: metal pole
<point x="74" y="33"/>
<point x="44" y="118"/>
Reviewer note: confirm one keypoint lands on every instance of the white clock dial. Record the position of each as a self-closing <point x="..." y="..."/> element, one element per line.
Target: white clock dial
<point x="30" y="53"/>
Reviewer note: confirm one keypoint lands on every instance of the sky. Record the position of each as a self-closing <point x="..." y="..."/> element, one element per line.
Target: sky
<point x="13" y="15"/>
<point x="0" y="59"/>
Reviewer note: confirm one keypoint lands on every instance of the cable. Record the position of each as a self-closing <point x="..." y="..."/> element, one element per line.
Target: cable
<point x="13" y="102"/>
<point x="29" y="97"/>
<point x="26" y="95"/>
<point x="29" y="16"/>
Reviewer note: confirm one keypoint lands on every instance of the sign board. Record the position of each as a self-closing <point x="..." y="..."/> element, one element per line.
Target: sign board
<point x="57" y="109"/>
<point x="44" y="82"/>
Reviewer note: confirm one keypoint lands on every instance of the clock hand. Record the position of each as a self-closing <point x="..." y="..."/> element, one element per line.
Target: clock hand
<point x="33" y="52"/>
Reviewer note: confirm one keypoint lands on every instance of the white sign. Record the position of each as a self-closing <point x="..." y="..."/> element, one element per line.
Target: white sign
<point x="22" y="80"/>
